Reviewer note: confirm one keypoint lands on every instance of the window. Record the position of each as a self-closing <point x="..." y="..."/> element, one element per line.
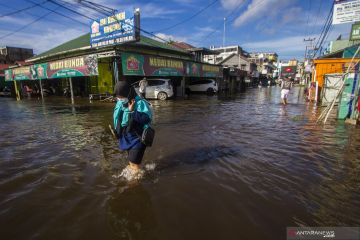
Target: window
<point x="156" y="82"/>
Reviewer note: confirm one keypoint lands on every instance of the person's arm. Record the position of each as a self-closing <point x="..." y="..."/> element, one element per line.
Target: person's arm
<point x="139" y="117"/>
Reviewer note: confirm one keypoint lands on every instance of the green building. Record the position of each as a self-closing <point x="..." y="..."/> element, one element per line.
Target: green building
<point x="94" y="70"/>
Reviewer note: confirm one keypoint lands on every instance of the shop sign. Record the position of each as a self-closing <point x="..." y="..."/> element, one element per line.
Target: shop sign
<point x="132" y="64"/>
<point x="72" y="67"/>
<point x="210" y="71"/>
<point x="8" y="75"/>
<point x="20" y="73"/>
<point x="346" y="11"/>
<point x="157" y="66"/>
<point x="193" y="69"/>
<point x="355" y="32"/>
<point x="146" y="65"/>
<point x="119" y="28"/>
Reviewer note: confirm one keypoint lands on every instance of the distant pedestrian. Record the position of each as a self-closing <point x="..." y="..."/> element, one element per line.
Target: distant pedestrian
<point x="286" y="85"/>
<point x="132" y="117"/>
<point x="142" y="87"/>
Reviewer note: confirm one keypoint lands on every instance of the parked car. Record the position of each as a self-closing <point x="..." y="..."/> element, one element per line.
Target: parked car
<point x="157" y="89"/>
<point x="208" y="86"/>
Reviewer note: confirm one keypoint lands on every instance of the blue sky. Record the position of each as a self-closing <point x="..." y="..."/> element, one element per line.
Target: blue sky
<point x="256" y="25"/>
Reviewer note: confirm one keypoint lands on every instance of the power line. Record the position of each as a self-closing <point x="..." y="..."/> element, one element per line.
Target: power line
<point x="316" y="17"/>
<point x="113" y="11"/>
<point x="25" y="26"/>
<point x="308" y="18"/>
<point x="69" y="9"/>
<point x="228" y="17"/>
<point x="23" y="9"/>
<point x="60" y="14"/>
<point x="35" y="15"/>
<point x="325" y="31"/>
<point x="187" y="19"/>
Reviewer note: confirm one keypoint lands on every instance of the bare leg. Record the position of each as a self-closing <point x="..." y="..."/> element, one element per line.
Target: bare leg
<point x="134" y="166"/>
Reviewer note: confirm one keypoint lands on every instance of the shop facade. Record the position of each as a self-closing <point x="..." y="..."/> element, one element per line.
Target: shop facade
<point x="96" y="70"/>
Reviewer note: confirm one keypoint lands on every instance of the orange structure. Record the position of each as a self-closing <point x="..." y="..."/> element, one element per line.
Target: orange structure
<point x="329" y="65"/>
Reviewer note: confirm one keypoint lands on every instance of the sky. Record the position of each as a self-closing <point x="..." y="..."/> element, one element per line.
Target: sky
<point x="256" y="25"/>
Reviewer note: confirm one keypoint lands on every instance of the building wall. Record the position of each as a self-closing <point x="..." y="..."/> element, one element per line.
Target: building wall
<point x="105" y="78"/>
<point x="237" y="61"/>
<point x="326" y="66"/>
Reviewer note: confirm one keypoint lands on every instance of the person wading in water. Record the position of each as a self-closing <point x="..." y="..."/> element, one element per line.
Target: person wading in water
<point x="131" y="116"/>
<point x="285" y="89"/>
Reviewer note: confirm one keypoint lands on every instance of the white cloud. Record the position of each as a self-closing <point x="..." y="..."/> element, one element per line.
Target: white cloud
<point x="231" y="4"/>
<point x="169" y="37"/>
<point x="258" y="9"/>
<point x="154" y="11"/>
<point x="282" y="46"/>
<point x="48" y="39"/>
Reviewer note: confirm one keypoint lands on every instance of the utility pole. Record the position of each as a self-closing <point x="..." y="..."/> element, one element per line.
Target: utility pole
<point x="224" y="34"/>
<point x="308" y="48"/>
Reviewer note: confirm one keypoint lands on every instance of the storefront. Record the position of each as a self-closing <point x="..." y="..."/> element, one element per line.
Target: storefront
<point x="55" y="77"/>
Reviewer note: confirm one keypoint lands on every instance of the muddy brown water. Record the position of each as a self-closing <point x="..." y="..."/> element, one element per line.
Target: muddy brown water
<point x="241" y="168"/>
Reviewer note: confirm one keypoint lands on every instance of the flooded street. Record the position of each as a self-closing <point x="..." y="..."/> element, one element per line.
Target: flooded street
<point x="242" y="168"/>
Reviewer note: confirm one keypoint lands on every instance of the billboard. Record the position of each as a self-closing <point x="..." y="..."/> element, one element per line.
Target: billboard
<point x="71" y="67"/>
<point x="355" y="32"/>
<point x="119" y="28"/>
<point x="288" y="71"/>
<point x="146" y="65"/>
<point x="346" y="11"/>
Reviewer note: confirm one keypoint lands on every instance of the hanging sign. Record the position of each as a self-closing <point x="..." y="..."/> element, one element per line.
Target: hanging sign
<point x="346" y="11"/>
<point x="119" y="28"/>
<point x="147" y="65"/>
<point x="355" y="32"/>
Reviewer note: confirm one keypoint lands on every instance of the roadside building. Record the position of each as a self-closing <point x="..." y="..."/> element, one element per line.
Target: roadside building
<point x="94" y="70"/>
<point x="329" y="69"/>
<point x="11" y="56"/>
<point x="265" y="62"/>
<point x="338" y="45"/>
<point x="221" y="53"/>
<point x="238" y="71"/>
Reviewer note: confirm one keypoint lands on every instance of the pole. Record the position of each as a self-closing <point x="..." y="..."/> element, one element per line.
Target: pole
<point x="71" y="91"/>
<point x="16" y="91"/>
<point x="224" y="34"/>
<point x="41" y="89"/>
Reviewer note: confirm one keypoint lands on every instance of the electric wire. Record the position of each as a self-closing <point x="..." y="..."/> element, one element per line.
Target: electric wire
<point x="71" y="10"/>
<point x="60" y="14"/>
<point x="187" y="19"/>
<point x="227" y="17"/>
<point x="25" y="26"/>
<point x="324" y="32"/>
<point x="316" y="16"/>
<point x="23" y="9"/>
<point x="308" y="18"/>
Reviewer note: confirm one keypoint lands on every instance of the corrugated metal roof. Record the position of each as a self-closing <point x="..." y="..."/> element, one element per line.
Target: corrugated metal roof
<point x="83" y="42"/>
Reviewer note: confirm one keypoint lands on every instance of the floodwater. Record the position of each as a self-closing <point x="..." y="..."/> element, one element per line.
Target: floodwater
<point x="241" y="168"/>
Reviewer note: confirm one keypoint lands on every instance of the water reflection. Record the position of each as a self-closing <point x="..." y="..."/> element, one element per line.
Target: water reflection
<point x="130" y="213"/>
<point x="242" y="167"/>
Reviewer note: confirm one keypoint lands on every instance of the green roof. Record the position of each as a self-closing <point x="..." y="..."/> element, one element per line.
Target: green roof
<point x="84" y="42"/>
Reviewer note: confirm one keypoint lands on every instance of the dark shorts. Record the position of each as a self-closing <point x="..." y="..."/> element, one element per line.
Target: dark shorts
<point x="136" y="155"/>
